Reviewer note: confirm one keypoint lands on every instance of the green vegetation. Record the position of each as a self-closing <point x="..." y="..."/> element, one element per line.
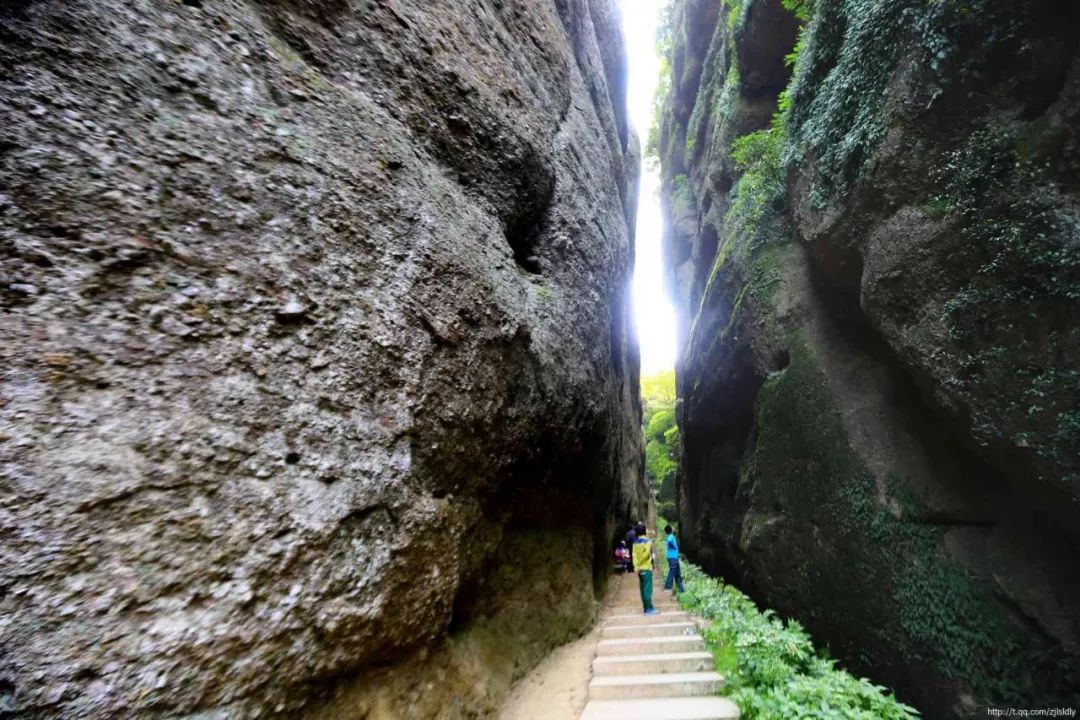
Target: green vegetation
<point x="772" y="668"/>
<point x="737" y="13"/>
<point x="662" y="522"/>
<point x="658" y="391"/>
<point x="995" y="189"/>
<point x="1004" y="202"/>
<point x="544" y="293"/>
<point x="758" y="216"/>
<point x="849" y="53"/>
<point x="799" y="8"/>
<point x="659" y="464"/>
<point x="757" y="224"/>
<point x="729" y="94"/>
<point x="661" y="437"/>
<point x="835" y="117"/>
<point x="759" y="196"/>
<point x="758" y="220"/>
<point x="680" y="189"/>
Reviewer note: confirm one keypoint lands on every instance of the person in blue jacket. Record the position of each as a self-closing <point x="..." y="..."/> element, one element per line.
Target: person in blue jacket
<point x="674" y="573"/>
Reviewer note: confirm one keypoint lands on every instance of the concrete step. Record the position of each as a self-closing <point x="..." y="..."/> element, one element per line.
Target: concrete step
<point x="635" y="599"/>
<point x="637" y="609"/>
<point x="648" y="630"/>
<point x="659" y="663"/>
<point x="650" y="645"/>
<point x="695" y="708"/>
<point x="640" y="618"/>
<point x="665" y="685"/>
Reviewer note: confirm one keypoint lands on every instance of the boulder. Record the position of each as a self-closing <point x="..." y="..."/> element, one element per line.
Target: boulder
<point x="315" y="349"/>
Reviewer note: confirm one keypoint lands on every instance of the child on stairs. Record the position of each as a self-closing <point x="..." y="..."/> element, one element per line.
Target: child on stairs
<point x="674" y="574"/>
<point x="643" y="565"/>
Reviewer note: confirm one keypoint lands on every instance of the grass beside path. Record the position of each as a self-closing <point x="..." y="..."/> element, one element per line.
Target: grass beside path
<point x="772" y="669"/>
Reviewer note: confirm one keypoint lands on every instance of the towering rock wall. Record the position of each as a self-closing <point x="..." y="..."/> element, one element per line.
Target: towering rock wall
<point x="880" y="296"/>
<point x="315" y="339"/>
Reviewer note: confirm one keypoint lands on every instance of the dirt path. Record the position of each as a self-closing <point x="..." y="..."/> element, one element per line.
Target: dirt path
<point x="558" y="687"/>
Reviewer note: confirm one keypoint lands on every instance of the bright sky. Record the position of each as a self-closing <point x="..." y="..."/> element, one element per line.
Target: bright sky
<point x="652" y="308"/>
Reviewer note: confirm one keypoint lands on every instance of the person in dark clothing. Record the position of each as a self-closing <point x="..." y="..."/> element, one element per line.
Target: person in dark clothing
<point x="631" y="536"/>
<point x="622" y="558"/>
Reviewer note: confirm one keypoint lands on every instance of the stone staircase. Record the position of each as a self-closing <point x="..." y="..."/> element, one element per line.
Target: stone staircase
<point x="653" y="667"/>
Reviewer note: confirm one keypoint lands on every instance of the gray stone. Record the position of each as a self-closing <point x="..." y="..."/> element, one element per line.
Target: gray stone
<point x="311" y="277"/>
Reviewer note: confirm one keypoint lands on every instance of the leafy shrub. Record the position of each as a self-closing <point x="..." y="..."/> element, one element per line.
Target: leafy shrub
<point x="773" y="671"/>
<point x="661" y="433"/>
<point x="659" y="464"/>
<point x="848" y="54"/>
<point x="758" y="150"/>
<point x="758" y="198"/>
<point x="660" y="422"/>
<point x="799" y="8"/>
<point x="658" y="390"/>
<point x="665" y="509"/>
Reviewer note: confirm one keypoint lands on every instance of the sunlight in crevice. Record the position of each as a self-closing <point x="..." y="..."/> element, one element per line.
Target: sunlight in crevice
<point x="653" y="311"/>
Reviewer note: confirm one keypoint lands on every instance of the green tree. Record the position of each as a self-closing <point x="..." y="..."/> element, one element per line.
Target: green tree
<point x="661" y="432"/>
<point x="658" y="391"/>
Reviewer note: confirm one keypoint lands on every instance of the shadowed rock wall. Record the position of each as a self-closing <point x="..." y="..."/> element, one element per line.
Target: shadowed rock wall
<point x="315" y="319"/>
<point x="879" y="300"/>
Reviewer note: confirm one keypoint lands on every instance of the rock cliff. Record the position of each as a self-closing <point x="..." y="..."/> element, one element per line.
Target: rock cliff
<point x="880" y="296"/>
<point x="316" y="351"/>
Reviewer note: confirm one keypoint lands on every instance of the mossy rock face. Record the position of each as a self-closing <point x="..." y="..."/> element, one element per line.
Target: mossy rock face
<point x="815" y="498"/>
<point x="931" y="186"/>
<point x="878" y="387"/>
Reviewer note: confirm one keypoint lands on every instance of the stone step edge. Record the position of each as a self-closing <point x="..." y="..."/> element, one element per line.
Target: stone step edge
<point x="671" y="625"/>
<point x="646" y="646"/>
<point x="658" y="679"/>
<point x="634" y="616"/>
<point x="607" y="642"/>
<point x="684" y="708"/>
<point x="653" y="657"/>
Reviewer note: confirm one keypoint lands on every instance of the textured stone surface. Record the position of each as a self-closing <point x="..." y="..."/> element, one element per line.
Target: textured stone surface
<point x="307" y="305"/>
<point x="877" y="389"/>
